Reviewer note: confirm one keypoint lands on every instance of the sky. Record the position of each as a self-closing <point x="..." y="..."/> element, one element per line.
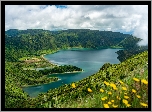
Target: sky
<point x="117" y="18"/>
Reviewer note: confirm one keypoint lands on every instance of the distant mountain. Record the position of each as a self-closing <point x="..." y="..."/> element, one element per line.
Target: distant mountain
<point x="31" y="41"/>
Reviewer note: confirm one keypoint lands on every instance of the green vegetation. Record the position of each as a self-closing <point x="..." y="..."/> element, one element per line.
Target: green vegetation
<point x="126" y="53"/>
<point x="80" y="96"/>
<point x="35" y="62"/>
<point x="69" y="96"/>
<point x="24" y="49"/>
<point x="61" y="69"/>
<point x="27" y="43"/>
<point x="15" y="72"/>
<point x="16" y="78"/>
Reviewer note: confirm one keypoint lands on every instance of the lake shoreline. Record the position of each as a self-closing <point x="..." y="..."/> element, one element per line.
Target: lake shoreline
<point x="89" y="65"/>
<point x="67" y="72"/>
<point x="48" y="60"/>
<point x="24" y="86"/>
<point x="74" y="48"/>
<point x="78" y="48"/>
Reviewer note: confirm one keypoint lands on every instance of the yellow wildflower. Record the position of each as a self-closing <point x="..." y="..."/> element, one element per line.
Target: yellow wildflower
<point x="138" y="96"/>
<point x="101" y="90"/>
<point x="109" y="103"/>
<point x="135" y="79"/>
<point x="118" y="98"/>
<point x="125" y="93"/>
<point x="112" y="85"/>
<point x="124" y="88"/>
<point x="115" y="88"/>
<point x="103" y="99"/>
<point x="106" y="83"/>
<point x="121" y="82"/>
<point x="109" y="93"/>
<point x="144" y="81"/>
<point x="125" y="101"/>
<point x="89" y="90"/>
<point x="133" y="90"/>
<point x="73" y="85"/>
<point x="112" y="100"/>
<point x="106" y="105"/>
<point x="126" y="97"/>
<point x="115" y="106"/>
<point x="128" y="105"/>
<point x="144" y="104"/>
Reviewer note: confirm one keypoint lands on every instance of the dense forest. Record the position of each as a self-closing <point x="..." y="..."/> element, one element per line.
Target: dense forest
<point x="36" y="42"/>
<point x="20" y="43"/>
<point x="89" y="88"/>
<point x="61" y="69"/>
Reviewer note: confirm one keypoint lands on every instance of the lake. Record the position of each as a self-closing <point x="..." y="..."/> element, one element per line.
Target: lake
<point x="89" y="60"/>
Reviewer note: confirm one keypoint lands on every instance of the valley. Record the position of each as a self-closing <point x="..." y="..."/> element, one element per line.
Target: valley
<point x="98" y="57"/>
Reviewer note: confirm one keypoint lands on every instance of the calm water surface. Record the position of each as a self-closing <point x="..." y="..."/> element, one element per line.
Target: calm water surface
<point x="89" y="60"/>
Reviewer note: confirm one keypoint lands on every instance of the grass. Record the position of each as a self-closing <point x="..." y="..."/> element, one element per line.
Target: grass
<point x="130" y="93"/>
<point x="39" y="63"/>
<point x="123" y="97"/>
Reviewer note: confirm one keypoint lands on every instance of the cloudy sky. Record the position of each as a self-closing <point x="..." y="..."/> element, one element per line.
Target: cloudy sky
<point x="123" y="18"/>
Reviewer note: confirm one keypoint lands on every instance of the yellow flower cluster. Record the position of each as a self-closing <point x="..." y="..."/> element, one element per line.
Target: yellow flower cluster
<point x="106" y="83"/>
<point x="73" y="85"/>
<point x="144" y="81"/>
<point x="126" y="103"/>
<point x="101" y="90"/>
<point x="138" y="96"/>
<point x="89" y="90"/>
<point x="109" y="93"/>
<point x="104" y="98"/>
<point x="121" y="82"/>
<point x="124" y="88"/>
<point x="113" y="86"/>
<point x="135" y="79"/>
<point x="134" y="91"/>
<point x="106" y="105"/>
<point x="124" y="91"/>
<point x="126" y="97"/>
<point x="144" y="104"/>
<point x="110" y="103"/>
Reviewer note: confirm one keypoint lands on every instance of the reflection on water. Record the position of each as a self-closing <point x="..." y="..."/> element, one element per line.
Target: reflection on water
<point x="89" y="60"/>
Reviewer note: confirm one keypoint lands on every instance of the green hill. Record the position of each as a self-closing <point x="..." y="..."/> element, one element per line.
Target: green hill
<point x="23" y="49"/>
<point x="88" y="92"/>
<point x="24" y="43"/>
<point x="127" y="71"/>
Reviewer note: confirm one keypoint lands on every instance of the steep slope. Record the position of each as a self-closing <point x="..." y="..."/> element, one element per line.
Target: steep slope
<point x="87" y="92"/>
<point x="24" y="43"/>
<point x="20" y="43"/>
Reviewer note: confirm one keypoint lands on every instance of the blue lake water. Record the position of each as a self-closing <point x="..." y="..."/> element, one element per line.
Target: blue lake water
<point x="89" y="60"/>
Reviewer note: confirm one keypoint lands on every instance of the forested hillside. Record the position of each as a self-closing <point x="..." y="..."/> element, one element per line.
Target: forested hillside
<point x="89" y="89"/>
<point x="20" y="43"/>
<point x="33" y="43"/>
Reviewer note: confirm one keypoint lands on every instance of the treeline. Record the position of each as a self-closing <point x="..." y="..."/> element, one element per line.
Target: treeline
<point x="24" y="43"/>
<point x="60" y="69"/>
<point x="16" y="78"/>
<point x="108" y="72"/>
<point x="130" y="48"/>
<point x="25" y="77"/>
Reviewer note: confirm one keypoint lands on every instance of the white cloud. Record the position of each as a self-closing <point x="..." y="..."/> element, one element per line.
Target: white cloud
<point x="102" y="17"/>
